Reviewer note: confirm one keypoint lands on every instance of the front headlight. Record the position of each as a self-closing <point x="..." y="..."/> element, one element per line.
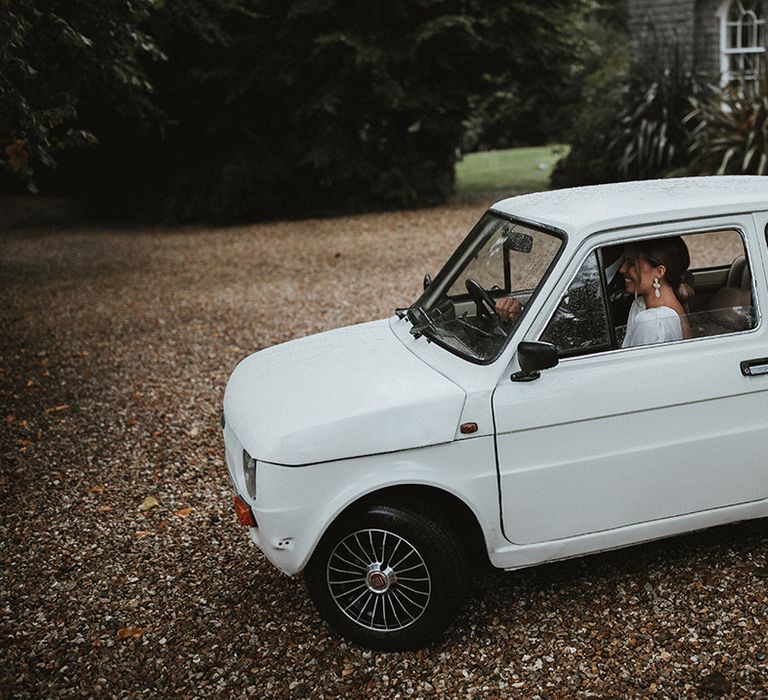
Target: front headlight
<point x="249" y="472"/>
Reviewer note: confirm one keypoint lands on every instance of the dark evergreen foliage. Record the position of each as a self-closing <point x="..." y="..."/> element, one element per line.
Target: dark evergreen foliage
<point x="317" y="106"/>
<point x="55" y="57"/>
<point x="604" y="73"/>
<point x="287" y="107"/>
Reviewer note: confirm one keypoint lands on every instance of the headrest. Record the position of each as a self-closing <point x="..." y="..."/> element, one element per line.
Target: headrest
<point x="732" y="308"/>
<point x="738" y="275"/>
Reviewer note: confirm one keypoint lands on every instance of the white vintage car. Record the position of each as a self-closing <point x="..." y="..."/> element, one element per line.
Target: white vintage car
<point x="386" y="460"/>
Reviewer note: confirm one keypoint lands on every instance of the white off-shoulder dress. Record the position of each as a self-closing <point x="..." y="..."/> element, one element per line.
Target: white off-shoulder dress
<point x="660" y="324"/>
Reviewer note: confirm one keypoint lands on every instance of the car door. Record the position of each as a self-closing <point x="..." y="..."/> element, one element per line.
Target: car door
<point x="619" y="437"/>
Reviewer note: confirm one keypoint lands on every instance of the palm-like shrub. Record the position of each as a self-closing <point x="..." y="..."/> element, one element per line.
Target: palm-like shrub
<point x="637" y="131"/>
<point x="650" y="140"/>
<point x="729" y="131"/>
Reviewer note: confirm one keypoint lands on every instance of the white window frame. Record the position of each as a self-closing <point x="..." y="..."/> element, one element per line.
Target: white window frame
<point x="749" y="49"/>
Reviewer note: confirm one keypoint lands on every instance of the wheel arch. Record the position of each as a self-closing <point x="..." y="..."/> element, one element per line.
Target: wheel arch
<point x="454" y="510"/>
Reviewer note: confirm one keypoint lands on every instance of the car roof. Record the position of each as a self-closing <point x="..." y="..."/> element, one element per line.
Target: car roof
<point x="617" y="205"/>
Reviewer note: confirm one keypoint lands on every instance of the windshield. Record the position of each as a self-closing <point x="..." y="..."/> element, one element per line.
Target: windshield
<point x="502" y="262"/>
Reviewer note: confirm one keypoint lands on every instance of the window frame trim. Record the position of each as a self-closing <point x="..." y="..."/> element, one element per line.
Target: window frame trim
<point x="726" y="52"/>
<point x="737" y="228"/>
<point x="462" y="251"/>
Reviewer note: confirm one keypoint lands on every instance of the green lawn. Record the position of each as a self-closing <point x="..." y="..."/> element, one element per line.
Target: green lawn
<point x="515" y="169"/>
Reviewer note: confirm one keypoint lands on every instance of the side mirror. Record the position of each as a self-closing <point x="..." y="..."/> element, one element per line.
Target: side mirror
<point x="427" y="280"/>
<point x="534" y="357"/>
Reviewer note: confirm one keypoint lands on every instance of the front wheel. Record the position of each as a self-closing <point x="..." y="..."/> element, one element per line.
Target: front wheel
<point x="389" y="577"/>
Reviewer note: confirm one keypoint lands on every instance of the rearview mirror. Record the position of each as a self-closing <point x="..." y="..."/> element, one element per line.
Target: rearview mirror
<point x="532" y="358"/>
<point x="517" y="240"/>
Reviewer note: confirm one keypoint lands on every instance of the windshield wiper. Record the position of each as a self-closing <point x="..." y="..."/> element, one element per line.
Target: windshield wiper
<point x="420" y="321"/>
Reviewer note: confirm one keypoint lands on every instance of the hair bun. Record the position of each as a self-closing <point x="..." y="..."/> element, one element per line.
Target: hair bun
<point x="685" y="291"/>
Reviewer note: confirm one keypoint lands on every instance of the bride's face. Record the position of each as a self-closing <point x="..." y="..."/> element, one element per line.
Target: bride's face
<point x="638" y="272"/>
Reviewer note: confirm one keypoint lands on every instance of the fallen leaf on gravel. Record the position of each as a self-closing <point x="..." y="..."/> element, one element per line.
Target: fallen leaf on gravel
<point x="142" y="533"/>
<point x="193" y="432"/>
<point x="106" y="509"/>
<point x="137" y="396"/>
<point x="184" y="512"/>
<point x="129" y="632"/>
<point x="717" y="683"/>
<point x="10" y="418"/>
<point x="58" y="409"/>
<point x="148" y="503"/>
<point x="96" y="489"/>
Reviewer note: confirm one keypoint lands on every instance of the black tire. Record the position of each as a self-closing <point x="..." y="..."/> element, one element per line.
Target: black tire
<point x="389" y="577"/>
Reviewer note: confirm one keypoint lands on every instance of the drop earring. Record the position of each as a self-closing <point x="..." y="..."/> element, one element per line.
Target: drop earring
<point x="656" y="287"/>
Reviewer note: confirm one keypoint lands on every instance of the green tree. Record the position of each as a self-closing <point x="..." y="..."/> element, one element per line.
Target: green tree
<point x="57" y="56"/>
<point x="278" y="107"/>
<point x="324" y="105"/>
<point x="601" y="73"/>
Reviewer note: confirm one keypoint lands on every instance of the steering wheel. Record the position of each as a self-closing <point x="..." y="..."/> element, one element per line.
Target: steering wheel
<point x="484" y="302"/>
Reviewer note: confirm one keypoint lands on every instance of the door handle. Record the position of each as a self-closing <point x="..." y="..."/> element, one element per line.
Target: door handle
<point x="754" y="368"/>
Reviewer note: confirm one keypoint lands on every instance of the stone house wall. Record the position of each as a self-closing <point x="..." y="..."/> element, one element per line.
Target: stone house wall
<point x="657" y="25"/>
<point x="692" y="25"/>
<point x="707" y="44"/>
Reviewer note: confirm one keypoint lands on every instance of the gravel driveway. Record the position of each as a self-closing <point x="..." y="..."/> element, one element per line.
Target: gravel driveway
<point x="124" y="572"/>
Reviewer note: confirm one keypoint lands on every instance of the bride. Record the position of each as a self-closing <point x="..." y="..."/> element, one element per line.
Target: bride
<point x="654" y="271"/>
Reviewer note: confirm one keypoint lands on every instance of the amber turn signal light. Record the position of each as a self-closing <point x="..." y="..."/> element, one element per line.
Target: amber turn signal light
<point x="468" y="428"/>
<point x="244" y="513"/>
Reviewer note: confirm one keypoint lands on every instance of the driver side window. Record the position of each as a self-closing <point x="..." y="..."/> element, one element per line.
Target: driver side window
<point x="705" y="283"/>
<point x="580" y="324"/>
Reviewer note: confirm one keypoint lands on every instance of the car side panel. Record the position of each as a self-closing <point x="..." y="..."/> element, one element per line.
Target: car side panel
<point x="637" y="435"/>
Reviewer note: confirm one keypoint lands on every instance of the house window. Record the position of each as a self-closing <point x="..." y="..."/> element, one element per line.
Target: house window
<point x="743" y="40"/>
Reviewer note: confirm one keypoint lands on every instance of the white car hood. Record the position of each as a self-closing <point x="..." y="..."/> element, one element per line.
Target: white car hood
<point x="345" y="393"/>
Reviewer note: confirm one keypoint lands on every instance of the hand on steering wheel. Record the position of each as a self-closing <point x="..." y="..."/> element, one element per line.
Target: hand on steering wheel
<point x="504" y="310"/>
<point x="484" y="302"/>
<point x="508" y="309"/>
